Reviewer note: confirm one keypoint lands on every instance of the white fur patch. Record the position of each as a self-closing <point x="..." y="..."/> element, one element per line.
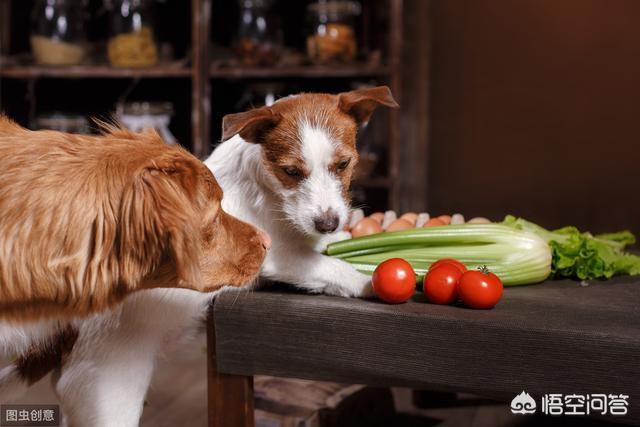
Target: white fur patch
<point x="16" y="338"/>
<point x="12" y="385"/>
<point x="317" y="147"/>
<point x="322" y="190"/>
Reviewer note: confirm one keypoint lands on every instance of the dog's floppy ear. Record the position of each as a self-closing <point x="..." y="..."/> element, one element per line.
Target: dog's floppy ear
<point x="361" y="103"/>
<point x="251" y="125"/>
<point x="159" y="220"/>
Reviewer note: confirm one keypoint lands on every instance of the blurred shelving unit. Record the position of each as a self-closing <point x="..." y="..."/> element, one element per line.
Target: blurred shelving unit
<point x="93" y="71"/>
<point x="308" y="71"/>
<point x="200" y="70"/>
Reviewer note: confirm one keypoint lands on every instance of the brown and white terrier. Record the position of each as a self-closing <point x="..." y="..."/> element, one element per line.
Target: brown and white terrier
<point x="287" y="168"/>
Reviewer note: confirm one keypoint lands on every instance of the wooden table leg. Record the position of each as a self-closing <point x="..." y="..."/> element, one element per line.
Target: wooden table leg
<point x="230" y="397"/>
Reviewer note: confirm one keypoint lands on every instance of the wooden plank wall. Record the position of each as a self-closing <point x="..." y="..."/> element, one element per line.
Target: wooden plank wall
<point x="414" y="107"/>
<point x="534" y="110"/>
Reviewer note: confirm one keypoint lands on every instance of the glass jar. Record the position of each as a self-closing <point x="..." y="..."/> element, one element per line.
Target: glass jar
<point x="63" y="122"/>
<point x="260" y="95"/>
<point x="259" y="38"/>
<point x="137" y="116"/>
<point x="132" y="42"/>
<point x="332" y="34"/>
<point x="58" y="32"/>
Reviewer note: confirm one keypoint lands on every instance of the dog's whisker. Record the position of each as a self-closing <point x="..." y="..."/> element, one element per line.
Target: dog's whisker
<point x="235" y="299"/>
<point x="360" y="206"/>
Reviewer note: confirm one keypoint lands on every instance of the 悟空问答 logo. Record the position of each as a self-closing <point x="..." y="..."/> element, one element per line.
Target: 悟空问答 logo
<point x="523" y="404"/>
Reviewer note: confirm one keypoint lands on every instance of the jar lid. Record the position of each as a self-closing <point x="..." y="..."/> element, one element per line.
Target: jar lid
<point x="113" y="4"/>
<point x="56" y="119"/>
<point x="335" y="8"/>
<point x="146" y="108"/>
<point x="257" y="4"/>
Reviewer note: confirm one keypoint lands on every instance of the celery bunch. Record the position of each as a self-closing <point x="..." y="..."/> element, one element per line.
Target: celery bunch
<point x="518" y="251"/>
<point x="582" y="255"/>
<point x="518" y="257"/>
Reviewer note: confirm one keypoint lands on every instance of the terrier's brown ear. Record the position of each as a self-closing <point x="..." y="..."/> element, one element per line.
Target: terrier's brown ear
<point x="361" y="103"/>
<point x="159" y="220"/>
<point x="251" y="125"/>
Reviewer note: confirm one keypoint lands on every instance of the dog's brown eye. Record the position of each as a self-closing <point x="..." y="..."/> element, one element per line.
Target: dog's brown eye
<point x="342" y="165"/>
<point x="292" y="172"/>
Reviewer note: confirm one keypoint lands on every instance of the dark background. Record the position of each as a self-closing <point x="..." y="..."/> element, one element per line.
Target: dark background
<point x="534" y="110"/>
<point x="526" y="107"/>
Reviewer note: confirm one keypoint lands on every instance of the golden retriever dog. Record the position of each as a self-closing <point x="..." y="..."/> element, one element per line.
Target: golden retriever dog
<point x="87" y="220"/>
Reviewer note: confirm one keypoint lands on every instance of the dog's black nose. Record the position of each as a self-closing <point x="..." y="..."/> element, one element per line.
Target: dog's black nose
<point x="327" y="222"/>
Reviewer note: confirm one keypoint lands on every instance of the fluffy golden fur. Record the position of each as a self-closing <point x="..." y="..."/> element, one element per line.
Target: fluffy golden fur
<point x="86" y="220"/>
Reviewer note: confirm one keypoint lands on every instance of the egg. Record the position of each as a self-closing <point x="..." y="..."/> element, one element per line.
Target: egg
<point x="445" y="218"/>
<point x="457" y="219"/>
<point x="434" y="222"/>
<point x="365" y="227"/>
<point x="389" y="217"/>
<point x="411" y="217"/>
<point x="399" y="224"/>
<point x="377" y="216"/>
<point x="478" y="220"/>
<point x="422" y="219"/>
<point x="356" y="216"/>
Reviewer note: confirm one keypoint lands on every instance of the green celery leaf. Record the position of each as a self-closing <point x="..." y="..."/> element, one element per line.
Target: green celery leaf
<point x="581" y="255"/>
<point x="619" y="240"/>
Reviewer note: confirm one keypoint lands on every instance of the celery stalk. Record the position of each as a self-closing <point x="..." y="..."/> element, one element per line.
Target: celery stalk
<point x="516" y="256"/>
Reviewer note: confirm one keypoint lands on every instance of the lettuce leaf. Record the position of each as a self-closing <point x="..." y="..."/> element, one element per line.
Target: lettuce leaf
<point x="581" y="255"/>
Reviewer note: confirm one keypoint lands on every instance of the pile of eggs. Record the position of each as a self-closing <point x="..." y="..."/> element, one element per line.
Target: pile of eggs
<point x="360" y="225"/>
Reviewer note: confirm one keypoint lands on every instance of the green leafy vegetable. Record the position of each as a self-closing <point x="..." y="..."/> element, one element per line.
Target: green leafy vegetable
<point x="582" y="255"/>
<point x="518" y="251"/>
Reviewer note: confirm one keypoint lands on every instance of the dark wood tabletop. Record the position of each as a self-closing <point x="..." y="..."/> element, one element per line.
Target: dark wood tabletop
<point x="555" y="337"/>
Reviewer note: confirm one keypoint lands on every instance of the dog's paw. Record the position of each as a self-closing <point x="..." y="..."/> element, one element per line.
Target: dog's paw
<point x="326" y="240"/>
<point x="367" y="291"/>
<point x="358" y="287"/>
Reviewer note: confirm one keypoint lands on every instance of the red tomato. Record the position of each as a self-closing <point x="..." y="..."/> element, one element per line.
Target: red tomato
<point x="480" y="289"/>
<point x="440" y="284"/>
<point x="451" y="261"/>
<point x="394" y="281"/>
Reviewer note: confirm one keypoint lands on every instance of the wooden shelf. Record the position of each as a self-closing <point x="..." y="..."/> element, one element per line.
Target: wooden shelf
<point x="303" y="71"/>
<point x="208" y="65"/>
<point x="94" y="71"/>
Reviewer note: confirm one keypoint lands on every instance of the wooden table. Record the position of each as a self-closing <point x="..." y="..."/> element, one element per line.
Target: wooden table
<point x="556" y="337"/>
